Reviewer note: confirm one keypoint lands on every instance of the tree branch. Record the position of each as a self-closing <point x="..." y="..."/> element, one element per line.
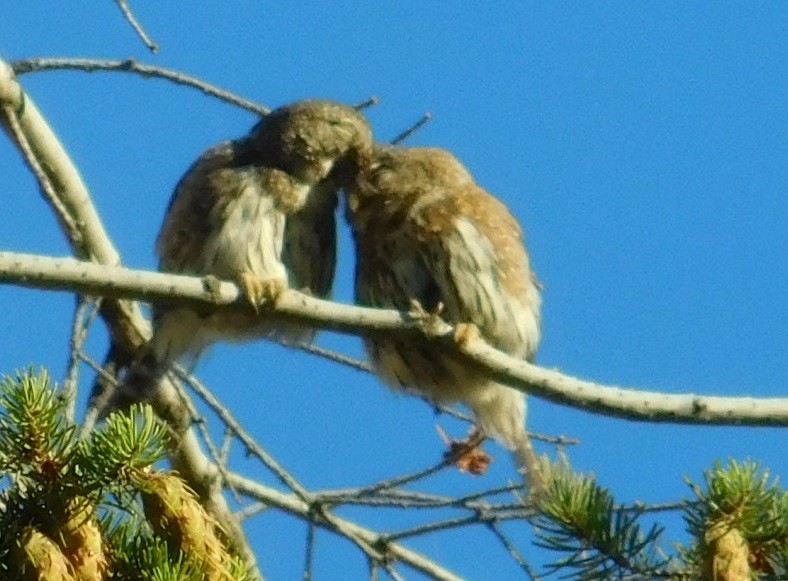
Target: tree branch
<point x="62" y="176"/>
<point x="90" y="65"/>
<point x="135" y="24"/>
<point x="640" y="405"/>
<point x="126" y="324"/>
<point x="292" y="504"/>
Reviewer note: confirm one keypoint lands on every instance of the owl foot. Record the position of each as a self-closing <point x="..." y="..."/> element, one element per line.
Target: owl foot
<point x="465" y="333"/>
<point x="431" y="320"/>
<point x="261" y="291"/>
<point x="467" y="455"/>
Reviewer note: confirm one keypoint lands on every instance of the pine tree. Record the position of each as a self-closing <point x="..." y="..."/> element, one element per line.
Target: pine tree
<point x="96" y="508"/>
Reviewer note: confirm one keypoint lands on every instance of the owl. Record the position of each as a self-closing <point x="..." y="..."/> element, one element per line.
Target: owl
<point x="259" y="211"/>
<point x="425" y="232"/>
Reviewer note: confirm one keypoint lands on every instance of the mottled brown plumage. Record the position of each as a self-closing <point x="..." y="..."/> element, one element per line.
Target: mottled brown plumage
<point x="425" y="231"/>
<point x="260" y="211"/>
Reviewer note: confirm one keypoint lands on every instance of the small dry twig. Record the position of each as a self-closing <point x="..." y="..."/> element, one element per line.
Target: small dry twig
<point x="135" y="24"/>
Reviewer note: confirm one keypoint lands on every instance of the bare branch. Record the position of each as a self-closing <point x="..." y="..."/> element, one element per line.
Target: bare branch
<point x="370" y="102"/>
<point x="400" y="480"/>
<point x="292" y="504"/>
<point x="69" y="194"/>
<point x="251" y="510"/>
<point x="251" y="444"/>
<point x="84" y="314"/>
<point x="90" y="65"/>
<point x="128" y="328"/>
<point x="426" y="118"/>
<point x="512" y="550"/>
<point x="11" y="119"/>
<point x="357" y="364"/>
<point x="82" y="226"/>
<point x="68" y="274"/>
<point x="309" y="557"/>
<point x="135" y="24"/>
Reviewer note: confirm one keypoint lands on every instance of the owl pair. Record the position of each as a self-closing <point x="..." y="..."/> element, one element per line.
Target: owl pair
<point x="260" y="211"/>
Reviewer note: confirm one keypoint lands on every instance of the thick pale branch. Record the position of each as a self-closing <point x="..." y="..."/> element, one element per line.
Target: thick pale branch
<point x="69" y="274"/>
<point x="57" y="166"/>
<point x="59" y="177"/>
<point x="69" y="199"/>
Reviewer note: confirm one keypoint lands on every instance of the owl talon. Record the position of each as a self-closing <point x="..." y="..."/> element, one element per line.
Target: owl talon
<point x="467" y="455"/>
<point x="465" y="333"/>
<point x="416" y="311"/>
<point x="430" y="320"/>
<point x="261" y="291"/>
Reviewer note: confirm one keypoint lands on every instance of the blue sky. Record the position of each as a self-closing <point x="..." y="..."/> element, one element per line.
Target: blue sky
<point x="641" y="145"/>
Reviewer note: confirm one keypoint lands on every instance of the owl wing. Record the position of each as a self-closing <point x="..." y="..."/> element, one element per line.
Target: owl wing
<point x="474" y="252"/>
<point x="189" y="219"/>
<point x="226" y="217"/>
<point x="310" y="244"/>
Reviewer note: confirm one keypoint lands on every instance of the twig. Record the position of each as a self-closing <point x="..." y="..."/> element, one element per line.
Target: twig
<point x="227" y="444"/>
<point x="404" y="479"/>
<point x="512" y="550"/>
<point x="129" y="16"/>
<point x="91" y="417"/>
<point x="251" y="444"/>
<point x="418" y="530"/>
<point x="412" y="129"/>
<point x="374" y="570"/>
<point x="373" y="100"/>
<point x="89" y="65"/>
<point x="84" y="314"/>
<point x="250" y="511"/>
<point x="334" y="356"/>
<point x="393" y="572"/>
<point x="256" y="449"/>
<point x="200" y="421"/>
<point x="400" y="498"/>
<point x="511" y="487"/>
<point x="309" y="557"/>
<point x="559" y="440"/>
<point x="47" y="188"/>
<point x="297" y="507"/>
<point x="643" y="508"/>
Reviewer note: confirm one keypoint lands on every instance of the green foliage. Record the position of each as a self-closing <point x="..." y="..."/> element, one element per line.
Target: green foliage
<point x="34" y="435"/>
<point x="602" y="540"/>
<point x="128" y="443"/>
<point x="141" y="555"/>
<point x="80" y="500"/>
<point x="78" y="505"/>
<point x="740" y="496"/>
<point x="579" y="518"/>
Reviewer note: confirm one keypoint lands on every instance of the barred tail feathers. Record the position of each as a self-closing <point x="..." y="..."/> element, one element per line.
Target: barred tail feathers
<point x="500" y="412"/>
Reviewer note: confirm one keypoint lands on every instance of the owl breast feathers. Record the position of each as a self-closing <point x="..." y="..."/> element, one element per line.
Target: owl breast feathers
<point x="425" y="230"/>
<point x="260" y="210"/>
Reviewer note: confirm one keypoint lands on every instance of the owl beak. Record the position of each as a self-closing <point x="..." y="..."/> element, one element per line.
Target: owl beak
<point x="352" y="203"/>
<point x="326" y="166"/>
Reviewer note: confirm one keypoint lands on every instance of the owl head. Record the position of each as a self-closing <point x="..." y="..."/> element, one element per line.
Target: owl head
<point x="314" y="140"/>
<point x="394" y="175"/>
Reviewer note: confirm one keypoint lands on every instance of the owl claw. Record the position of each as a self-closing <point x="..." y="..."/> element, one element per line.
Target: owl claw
<point x="465" y="333"/>
<point x="467" y="455"/>
<point x="430" y="320"/>
<point x="261" y="291"/>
